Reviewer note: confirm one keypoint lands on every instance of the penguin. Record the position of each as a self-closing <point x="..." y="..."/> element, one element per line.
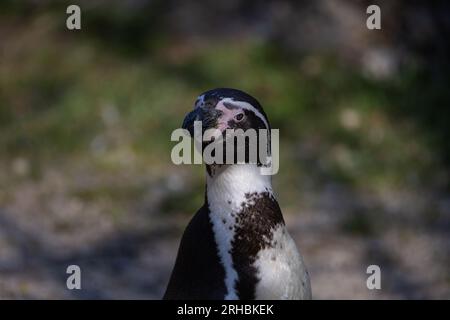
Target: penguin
<point x="236" y="247"/>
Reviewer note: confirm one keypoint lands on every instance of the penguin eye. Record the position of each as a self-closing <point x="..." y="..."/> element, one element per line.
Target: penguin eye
<point x="239" y="117"/>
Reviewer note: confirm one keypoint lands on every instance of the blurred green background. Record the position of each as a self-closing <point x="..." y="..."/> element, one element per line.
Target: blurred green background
<point x="86" y="116"/>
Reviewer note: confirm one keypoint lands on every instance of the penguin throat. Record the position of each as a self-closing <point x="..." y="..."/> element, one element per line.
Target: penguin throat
<point x="228" y="185"/>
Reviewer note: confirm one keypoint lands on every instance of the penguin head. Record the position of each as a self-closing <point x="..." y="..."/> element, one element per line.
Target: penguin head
<point x="225" y="110"/>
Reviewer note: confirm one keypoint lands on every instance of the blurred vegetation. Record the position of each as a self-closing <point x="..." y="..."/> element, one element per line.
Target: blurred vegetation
<point x="112" y="93"/>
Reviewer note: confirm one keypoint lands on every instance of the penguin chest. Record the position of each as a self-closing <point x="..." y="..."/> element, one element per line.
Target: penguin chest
<point x="281" y="271"/>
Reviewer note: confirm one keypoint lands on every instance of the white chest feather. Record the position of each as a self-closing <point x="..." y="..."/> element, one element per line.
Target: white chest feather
<point x="281" y="270"/>
<point x="280" y="267"/>
<point x="226" y="193"/>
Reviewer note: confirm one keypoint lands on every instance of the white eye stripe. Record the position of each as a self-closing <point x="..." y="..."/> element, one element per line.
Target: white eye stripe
<point x="247" y="106"/>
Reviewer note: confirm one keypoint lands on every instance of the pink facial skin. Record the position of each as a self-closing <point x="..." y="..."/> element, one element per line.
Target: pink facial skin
<point x="228" y="114"/>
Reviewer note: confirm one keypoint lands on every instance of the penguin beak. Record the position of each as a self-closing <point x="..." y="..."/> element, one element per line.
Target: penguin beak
<point x="208" y="116"/>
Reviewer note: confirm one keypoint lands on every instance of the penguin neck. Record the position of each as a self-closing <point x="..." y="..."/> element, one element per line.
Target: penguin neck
<point x="228" y="187"/>
<point x="243" y="212"/>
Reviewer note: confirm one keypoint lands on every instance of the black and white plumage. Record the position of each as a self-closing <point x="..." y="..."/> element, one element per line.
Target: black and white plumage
<point x="236" y="246"/>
